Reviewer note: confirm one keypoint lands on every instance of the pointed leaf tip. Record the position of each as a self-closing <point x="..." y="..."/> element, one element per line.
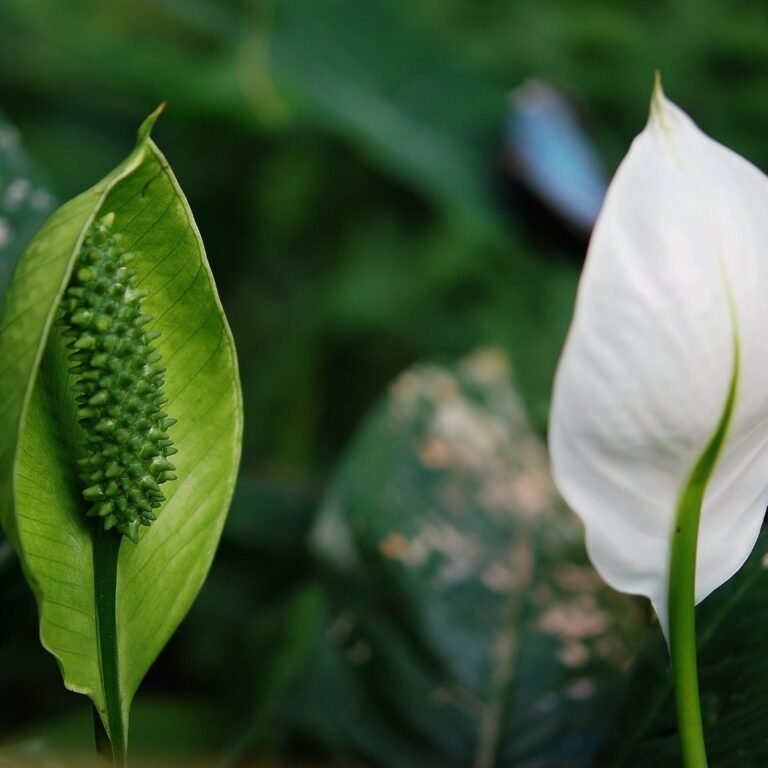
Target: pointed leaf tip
<point x="658" y="100"/>
<point x="145" y="129"/>
<point x="657" y="86"/>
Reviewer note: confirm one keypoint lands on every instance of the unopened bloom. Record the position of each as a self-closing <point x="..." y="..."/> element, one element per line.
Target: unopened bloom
<point x="667" y="359"/>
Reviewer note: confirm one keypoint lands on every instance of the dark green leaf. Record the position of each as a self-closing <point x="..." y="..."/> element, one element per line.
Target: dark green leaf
<point x="25" y="203"/>
<point x="386" y="82"/>
<point x="467" y="625"/>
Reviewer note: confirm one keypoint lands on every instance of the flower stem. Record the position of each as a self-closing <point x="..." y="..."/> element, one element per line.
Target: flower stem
<point x="106" y="550"/>
<point x="682" y="590"/>
<point x="682" y="637"/>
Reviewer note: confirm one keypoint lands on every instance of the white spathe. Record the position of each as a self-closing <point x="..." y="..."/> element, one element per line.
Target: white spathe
<point x="676" y="277"/>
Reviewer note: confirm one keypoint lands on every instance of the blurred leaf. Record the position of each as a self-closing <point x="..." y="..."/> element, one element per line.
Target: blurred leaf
<point x="248" y="605"/>
<point x="365" y="71"/>
<point x="25" y="203"/>
<point x="116" y="59"/>
<point x="733" y="675"/>
<point x="388" y="83"/>
<point x="465" y="619"/>
<point x="30" y="683"/>
<point x="268" y="520"/>
<point x="260" y="723"/>
<point x="162" y="728"/>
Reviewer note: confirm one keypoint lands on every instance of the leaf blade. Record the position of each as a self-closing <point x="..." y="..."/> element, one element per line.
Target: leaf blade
<point x="464" y="624"/>
<point x="40" y="498"/>
<point x="175" y="308"/>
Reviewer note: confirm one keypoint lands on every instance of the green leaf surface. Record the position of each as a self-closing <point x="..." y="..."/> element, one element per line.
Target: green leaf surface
<point x="25" y="203"/>
<point x="41" y="506"/>
<point x="733" y="679"/>
<point x="465" y="625"/>
<point x="391" y="85"/>
<point x="379" y="78"/>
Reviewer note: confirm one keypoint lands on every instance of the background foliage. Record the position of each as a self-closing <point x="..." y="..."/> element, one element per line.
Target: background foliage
<point x="346" y="163"/>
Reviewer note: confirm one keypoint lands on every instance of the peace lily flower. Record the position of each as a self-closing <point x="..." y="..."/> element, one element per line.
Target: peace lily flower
<point x="659" y="422"/>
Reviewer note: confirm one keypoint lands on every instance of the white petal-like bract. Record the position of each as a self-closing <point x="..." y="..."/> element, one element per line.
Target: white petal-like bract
<point x="672" y="305"/>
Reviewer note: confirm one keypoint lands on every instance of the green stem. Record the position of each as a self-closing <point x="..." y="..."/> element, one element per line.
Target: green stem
<point x="682" y="589"/>
<point x="682" y="633"/>
<point x="103" y="744"/>
<point x="106" y="548"/>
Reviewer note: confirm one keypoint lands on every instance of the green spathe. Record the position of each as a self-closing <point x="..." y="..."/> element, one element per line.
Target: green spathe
<point x="41" y="504"/>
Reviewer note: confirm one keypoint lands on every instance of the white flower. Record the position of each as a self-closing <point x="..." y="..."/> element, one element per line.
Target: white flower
<point x="671" y="317"/>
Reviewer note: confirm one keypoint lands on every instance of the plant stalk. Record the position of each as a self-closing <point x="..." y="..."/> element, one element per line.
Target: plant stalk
<point x="106" y="549"/>
<point x="682" y="589"/>
<point x="682" y="641"/>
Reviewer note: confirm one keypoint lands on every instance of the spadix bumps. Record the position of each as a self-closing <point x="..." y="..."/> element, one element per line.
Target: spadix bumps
<point x="118" y="385"/>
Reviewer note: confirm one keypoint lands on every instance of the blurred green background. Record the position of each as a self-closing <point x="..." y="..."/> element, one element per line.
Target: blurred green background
<point x="397" y="584"/>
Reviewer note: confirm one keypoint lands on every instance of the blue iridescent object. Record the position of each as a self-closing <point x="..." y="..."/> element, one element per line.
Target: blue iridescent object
<point x="552" y="155"/>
